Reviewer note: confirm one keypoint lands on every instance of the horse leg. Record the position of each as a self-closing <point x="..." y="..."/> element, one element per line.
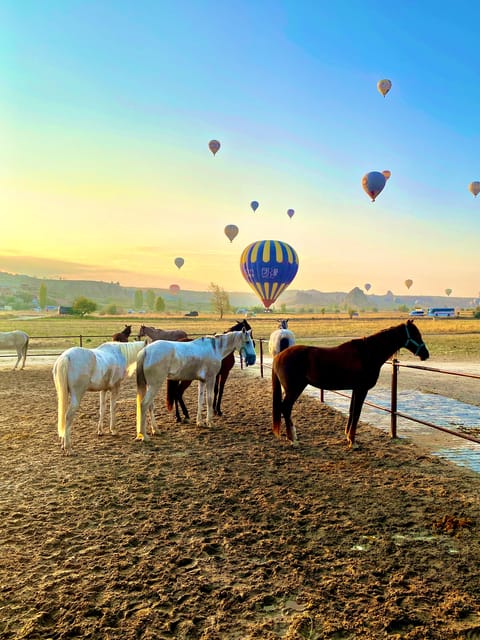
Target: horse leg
<point x="24" y="353"/>
<point x="356" y="404"/>
<point x="201" y="400"/>
<point x="153" y="423"/>
<point x="103" y="402"/>
<point x="19" y="357"/>
<point x="291" y="396"/>
<point x="66" y="442"/>
<point x="114" y="391"/>
<point x="146" y="407"/>
<point x="210" y="413"/>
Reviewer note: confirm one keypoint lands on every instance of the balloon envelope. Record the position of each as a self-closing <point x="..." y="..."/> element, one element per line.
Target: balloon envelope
<point x="373" y="183"/>
<point x="179" y="262"/>
<point x="214" y="146"/>
<point x="408" y="283"/>
<point x="231" y="231"/>
<point x="448" y="291"/>
<point x="384" y="86"/>
<point x="290" y="212"/>
<point x="174" y="288"/>
<point x="474" y="187"/>
<point x="368" y="286"/>
<point x="269" y="266"/>
<point x="254" y="204"/>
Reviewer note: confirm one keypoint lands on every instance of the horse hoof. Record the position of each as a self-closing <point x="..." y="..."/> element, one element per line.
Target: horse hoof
<point x="295" y="443"/>
<point x="186" y="421"/>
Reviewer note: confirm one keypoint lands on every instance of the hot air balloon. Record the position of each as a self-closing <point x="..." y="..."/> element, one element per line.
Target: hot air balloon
<point x="387" y="174"/>
<point x="448" y="291"/>
<point x="174" y="288"/>
<point x="408" y="283"/>
<point x="214" y="146"/>
<point x="269" y="266"/>
<point x="179" y="262"/>
<point x="373" y="183"/>
<point x="290" y="213"/>
<point x="231" y="231"/>
<point x="384" y="86"/>
<point x="368" y="286"/>
<point x="474" y="187"/>
<point x="254" y="204"/>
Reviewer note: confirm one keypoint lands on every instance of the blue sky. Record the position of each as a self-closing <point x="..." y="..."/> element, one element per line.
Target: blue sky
<point x="109" y="106"/>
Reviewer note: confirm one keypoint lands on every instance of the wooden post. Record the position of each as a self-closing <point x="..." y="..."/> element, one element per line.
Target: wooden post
<point x="261" y="358"/>
<point x="393" y="403"/>
<point x="81" y="340"/>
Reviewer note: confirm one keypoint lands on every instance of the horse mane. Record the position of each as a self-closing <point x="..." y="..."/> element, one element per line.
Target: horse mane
<point x="130" y="351"/>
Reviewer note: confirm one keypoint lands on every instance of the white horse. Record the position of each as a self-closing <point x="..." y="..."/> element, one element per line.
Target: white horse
<point x="200" y="360"/>
<point x="17" y="340"/>
<point x="281" y="338"/>
<point x="78" y="370"/>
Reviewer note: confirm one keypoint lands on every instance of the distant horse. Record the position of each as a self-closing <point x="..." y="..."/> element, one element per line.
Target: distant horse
<point x="176" y="388"/>
<point x="352" y="365"/>
<point x="17" y="340"/>
<point x="123" y="335"/>
<point x="200" y="360"/>
<point x="78" y="370"/>
<point x="281" y="338"/>
<point x="160" y="334"/>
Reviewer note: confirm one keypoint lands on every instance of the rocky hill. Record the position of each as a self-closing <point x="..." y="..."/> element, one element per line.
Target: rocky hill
<point x="21" y="291"/>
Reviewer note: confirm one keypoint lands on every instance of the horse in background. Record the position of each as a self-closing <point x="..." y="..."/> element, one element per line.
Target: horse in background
<point x="352" y="365"/>
<point x="17" y="340"/>
<point x="199" y="360"/>
<point x="176" y="388"/>
<point x="161" y="334"/>
<point x="281" y="338"/>
<point x="123" y="335"/>
<point x="78" y="370"/>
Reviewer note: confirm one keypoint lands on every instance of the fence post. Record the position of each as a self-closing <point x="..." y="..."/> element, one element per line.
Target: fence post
<point x="393" y="402"/>
<point x="261" y="358"/>
<point x="81" y="340"/>
<point x="322" y="396"/>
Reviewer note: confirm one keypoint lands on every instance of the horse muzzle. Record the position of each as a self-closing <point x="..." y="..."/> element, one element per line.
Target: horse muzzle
<point x="250" y="359"/>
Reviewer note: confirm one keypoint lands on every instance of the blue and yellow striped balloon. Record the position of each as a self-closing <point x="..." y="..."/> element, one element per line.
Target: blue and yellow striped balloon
<point x="269" y="266"/>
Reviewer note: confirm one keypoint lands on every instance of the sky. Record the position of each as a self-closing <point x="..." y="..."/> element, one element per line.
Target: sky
<point x="107" y="108"/>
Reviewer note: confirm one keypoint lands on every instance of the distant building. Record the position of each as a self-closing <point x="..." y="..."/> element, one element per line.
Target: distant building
<point x="65" y="311"/>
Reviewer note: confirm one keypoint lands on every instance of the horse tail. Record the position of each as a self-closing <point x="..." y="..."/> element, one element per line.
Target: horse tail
<point x="60" y="376"/>
<point x="284" y="342"/>
<point x="172" y="386"/>
<point x="141" y="383"/>
<point x="276" y="402"/>
<point x="25" y="349"/>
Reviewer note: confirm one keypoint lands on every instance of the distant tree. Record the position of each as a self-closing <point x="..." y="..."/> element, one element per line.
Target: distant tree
<point x="83" y="306"/>
<point x="138" y="299"/>
<point x="150" y="299"/>
<point x="42" y="296"/>
<point x="111" y="310"/>
<point x="220" y="299"/>
<point x="160" y="304"/>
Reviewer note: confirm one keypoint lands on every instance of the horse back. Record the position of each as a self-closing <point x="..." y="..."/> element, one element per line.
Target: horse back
<point x="341" y="367"/>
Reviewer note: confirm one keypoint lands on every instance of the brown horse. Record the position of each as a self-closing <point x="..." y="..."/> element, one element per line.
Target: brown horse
<point x="176" y="388"/>
<point x="160" y="334"/>
<point x="123" y="335"/>
<point x="352" y="365"/>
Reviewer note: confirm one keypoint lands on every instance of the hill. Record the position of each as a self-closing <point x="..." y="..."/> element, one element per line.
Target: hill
<point x="21" y="292"/>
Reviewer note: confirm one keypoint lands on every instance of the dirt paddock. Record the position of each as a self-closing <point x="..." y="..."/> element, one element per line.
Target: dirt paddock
<point x="228" y="533"/>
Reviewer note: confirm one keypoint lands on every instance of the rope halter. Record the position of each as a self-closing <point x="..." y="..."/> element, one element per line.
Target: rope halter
<point x="415" y="343"/>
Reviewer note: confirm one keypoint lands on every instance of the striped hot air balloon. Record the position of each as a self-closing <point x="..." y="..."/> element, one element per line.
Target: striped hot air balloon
<point x="269" y="266"/>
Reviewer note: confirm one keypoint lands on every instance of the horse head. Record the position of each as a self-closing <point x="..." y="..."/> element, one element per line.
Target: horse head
<point x="128" y="329"/>
<point x="415" y="343"/>
<point x="283" y="324"/>
<point x="247" y="350"/>
<point x="141" y="332"/>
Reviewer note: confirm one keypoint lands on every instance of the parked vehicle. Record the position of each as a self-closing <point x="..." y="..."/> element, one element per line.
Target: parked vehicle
<point x="417" y="312"/>
<point x="441" y="312"/>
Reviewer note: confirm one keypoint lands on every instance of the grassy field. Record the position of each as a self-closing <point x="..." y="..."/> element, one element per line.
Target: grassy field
<point x="452" y="339"/>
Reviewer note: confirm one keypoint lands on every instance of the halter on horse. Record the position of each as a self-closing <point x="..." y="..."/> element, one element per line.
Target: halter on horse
<point x="352" y="365"/>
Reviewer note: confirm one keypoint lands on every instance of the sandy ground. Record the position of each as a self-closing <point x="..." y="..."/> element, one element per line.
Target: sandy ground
<point x="228" y="533"/>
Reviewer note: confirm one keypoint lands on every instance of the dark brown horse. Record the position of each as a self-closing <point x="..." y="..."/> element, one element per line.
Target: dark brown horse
<point x="123" y="335"/>
<point x="161" y="334"/>
<point x="352" y="365"/>
<point x="176" y="388"/>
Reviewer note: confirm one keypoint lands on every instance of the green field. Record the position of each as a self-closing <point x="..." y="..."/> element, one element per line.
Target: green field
<point x="449" y="339"/>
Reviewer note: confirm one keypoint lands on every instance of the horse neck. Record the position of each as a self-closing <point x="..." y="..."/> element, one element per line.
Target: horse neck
<point x="227" y="342"/>
<point x="385" y="343"/>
